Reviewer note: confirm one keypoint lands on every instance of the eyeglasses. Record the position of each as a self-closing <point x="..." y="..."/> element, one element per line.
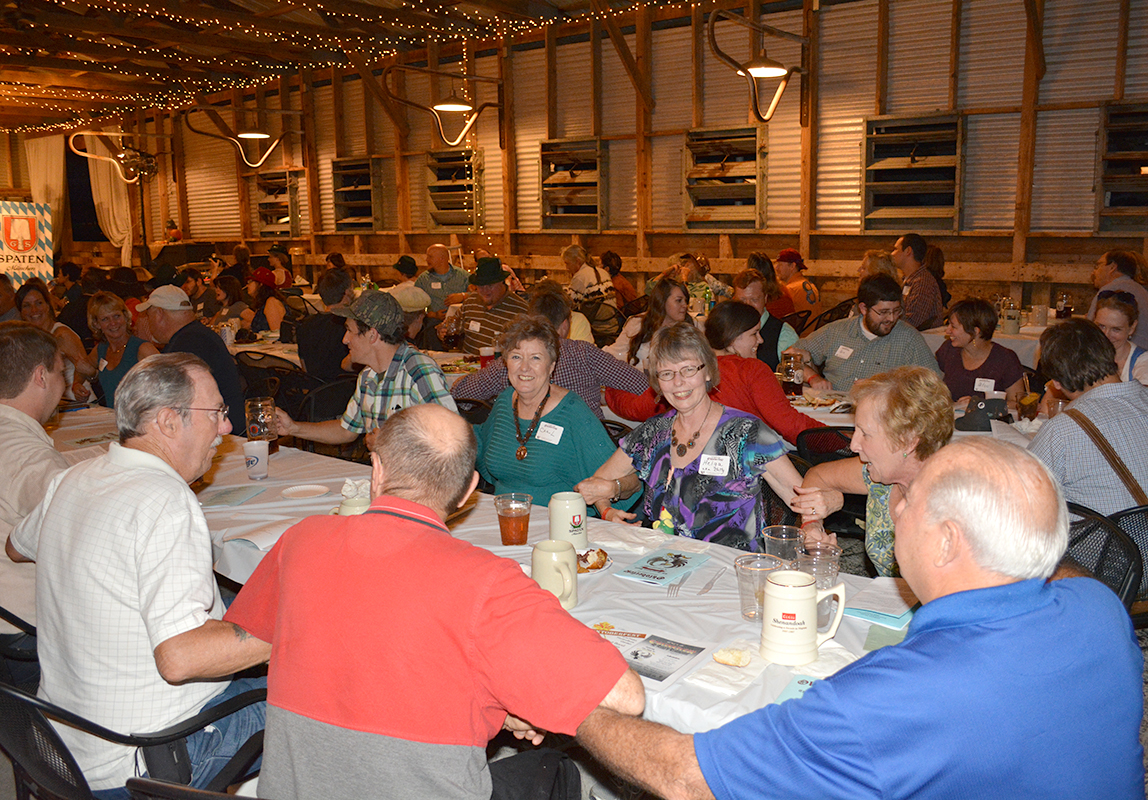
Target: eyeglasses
<point x="685" y="372"/>
<point x="893" y="313"/>
<point x="1123" y="297"/>
<point x="217" y="413"/>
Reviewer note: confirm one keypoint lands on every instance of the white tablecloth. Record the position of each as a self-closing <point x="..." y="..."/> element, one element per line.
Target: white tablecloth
<point x="1024" y="344"/>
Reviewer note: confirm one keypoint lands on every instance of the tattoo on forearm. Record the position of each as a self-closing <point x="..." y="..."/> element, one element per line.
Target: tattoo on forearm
<point x="240" y="634"/>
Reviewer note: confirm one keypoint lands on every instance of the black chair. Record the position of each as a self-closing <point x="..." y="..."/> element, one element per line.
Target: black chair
<point x="472" y="410"/>
<point x="776" y="512"/>
<point x="849" y="521"/>
<point x="798" y="319"/>
<point x="818" y="445"/>
<point x="329" y="401"/>
<point x="636" y="306"/>
<point x="45" y="768"/>
<point x="147" y="789"/>
<point x="1101" y="547"/>
<point x="264" y="375"/>
<point x="1134" y="522"/>
<point x="18" y="656"/>
<point x="839" y="311"/>
<point x="616" y="430"/>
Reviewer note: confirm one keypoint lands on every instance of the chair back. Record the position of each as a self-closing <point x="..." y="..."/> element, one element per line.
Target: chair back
<point x="616" y="430"/>
<point x="1100" y="546"/>
<point x="147" y="789"/>
<point x="265" y="375"/>
<point x="328" y="401"/>
<point x="776" y="512"/>
<point x="473" y="410"/>
<point x="636" y="306"/>
<point x="798" y="319"/>
<point x="41" y="761"/>
<point x="839" y="311"/>
<point x="818" y="445"/>
<point x="1134" y="522"/>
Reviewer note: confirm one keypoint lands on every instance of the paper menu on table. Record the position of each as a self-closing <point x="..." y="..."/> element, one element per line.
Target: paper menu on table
<point x="884" y="601"/>
<point x="663" y="567"/>
<point x="653" y="657"/>
<point x="230" y="497"/>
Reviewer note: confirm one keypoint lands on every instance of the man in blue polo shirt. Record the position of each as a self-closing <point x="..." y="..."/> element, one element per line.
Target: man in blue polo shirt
<point x="1007" y="684"/>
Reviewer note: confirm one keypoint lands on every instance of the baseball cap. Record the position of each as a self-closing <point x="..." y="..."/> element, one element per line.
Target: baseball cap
<point x="171" y="298"/>
<point x="411" y="298"/>
<point x="791" y="256"/>
<point x="375" y="309"/>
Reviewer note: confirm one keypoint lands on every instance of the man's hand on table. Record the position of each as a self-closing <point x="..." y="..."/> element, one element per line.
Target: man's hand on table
<point x="815" y="381"/>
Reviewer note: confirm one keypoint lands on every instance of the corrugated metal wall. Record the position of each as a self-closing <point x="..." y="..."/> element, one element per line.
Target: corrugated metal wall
<point x="621" y="208"/>
<point x="423" y="135"/>
<point x="390" y="200"/>
<point x="919" y="43"/>
<point x="783" y="160"/>
<point x="991" y="144"/>
<point x="666" y="181"/>
<point x="726" y="96"/>
<point x="991" y="60"/>
<point x="848" y="66"/>
<point x="1079" y="50"/>
<point x="673" y="89"/>
<point x="575" y="114"/>
<point x="1136" y="74"/>
<point x="529" y="129"/>
<point x="212" y="189"/>
<point x="487" y="140"/>
<point x="354" y="129"/>
<point x="324" y="152"/>
<point x="619" y="101"/>
<point x="1064" y="180"/>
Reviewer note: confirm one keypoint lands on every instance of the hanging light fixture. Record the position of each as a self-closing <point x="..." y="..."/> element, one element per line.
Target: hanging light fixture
<point x="131" y="164"/>
<point x="452" y="103"/>
<point x="760" y="66"/>
<point x="236" y="139"/>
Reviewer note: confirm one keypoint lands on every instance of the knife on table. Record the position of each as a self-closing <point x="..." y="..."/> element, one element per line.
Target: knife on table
<point x="712" y="581"/>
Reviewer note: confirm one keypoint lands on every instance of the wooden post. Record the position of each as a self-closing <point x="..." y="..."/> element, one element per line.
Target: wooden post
<point x="595" y="77"/>
<point x="697" y="63"/>
<point x="241" y="182"/>
<point x="180" y="176"/>
<point x="644" y="156"/>
<point x="509" y="162"/>
<point x="165" y="165"/>
<point x="551" y="40"/>
<point x="1026" y="156"/>
<point x="337" y="107"/>
<point x="310" y="153"/>
<point x="954" y="53"/>
<point x="1122" y="49"/>
<point x="809" y="129"/>
<point x="881" y="102"/>
<point x="402" y="168"/>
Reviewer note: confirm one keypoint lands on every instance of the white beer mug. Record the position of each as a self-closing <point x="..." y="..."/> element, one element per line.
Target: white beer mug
<point x="554" y="567"/>
<point x="568" y="519"/>
<point x="789" y="620"/>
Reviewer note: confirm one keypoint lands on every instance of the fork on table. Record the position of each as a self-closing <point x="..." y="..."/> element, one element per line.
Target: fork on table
<point x="674" y="588"/>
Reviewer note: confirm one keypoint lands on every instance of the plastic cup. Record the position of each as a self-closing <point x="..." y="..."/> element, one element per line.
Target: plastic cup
<point x="822" y="560"/>
<point x="752" y="571"/>
<point x="783" y="541"/>
<point x="513" y="516"/>
<point x="255" y="457"/>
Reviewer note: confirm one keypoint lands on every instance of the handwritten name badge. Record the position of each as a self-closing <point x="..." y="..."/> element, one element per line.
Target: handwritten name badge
<point x="475" y="326"/>
<point x="103" y="364"/>
<point x="549" y="433"/>
<point x="436" y="284"/>
<point x="843" y="352"/>
<point x="984" y="385"/>
<point x="716" y="466"/>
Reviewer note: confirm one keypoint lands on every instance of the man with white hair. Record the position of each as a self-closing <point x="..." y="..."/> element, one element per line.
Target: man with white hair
<point x="130" y="621"/>
<point x="1006" y="685"/>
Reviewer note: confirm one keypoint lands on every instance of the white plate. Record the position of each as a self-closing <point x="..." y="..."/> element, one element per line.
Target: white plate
<point x="306" y="490"/>
<point x="602" y="568"/>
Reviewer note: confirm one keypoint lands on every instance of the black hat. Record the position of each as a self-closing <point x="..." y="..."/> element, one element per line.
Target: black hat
<point x="407" y="266"/>
<point x="489" y="272"/>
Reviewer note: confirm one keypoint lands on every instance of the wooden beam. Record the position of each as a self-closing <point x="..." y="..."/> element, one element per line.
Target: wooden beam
<point x="166" y="167"/>
<point x="398" y="118"/>
<point x="697" y="64"/>
<point x="1034" y="14"/>
<point x="509" y="159"/>
<point x="881" y="102"/>
<point x="69" y="66"/>
<point x="310" y="153"/>
<point x="551" y="51"/>
<point x="954" y="53"/>
<point x="285" y="123"/>
<point x="432" y="63"/>
<point x="179" y="175"/>
<point x="1026" y="154"/>
<point x="644" y="156"/>
<point x="595" y="77"/>
<point x="402" y="170"/>
<point x="241" y="184"/>
<point x="1122" y="49"/>
<point x="810" y="28"/>
<point x="624" y="53"/>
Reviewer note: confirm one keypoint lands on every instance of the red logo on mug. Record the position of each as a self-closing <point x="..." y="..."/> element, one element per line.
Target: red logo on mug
<point x="577" y="520"/>
<point x="20" y="233"/>
<point x="789" y="617"/>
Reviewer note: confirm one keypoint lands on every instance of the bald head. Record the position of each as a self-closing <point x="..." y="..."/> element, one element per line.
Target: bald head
<point x="425" y="454"/>
<point x="438" y="258"/>
<point x="164" y="323"/>
<point x="1006" y="504"/>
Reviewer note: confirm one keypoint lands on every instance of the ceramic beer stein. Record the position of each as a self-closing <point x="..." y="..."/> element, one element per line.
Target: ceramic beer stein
<point x="789" y="620"/>
<point x="554" y="567"/>
<point x="568" y="519"/>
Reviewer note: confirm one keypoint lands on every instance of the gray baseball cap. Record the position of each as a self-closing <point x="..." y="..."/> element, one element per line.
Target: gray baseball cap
<point x="376" y="310"/>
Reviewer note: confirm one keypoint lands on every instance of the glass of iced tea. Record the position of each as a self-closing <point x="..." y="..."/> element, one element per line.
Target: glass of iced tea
<point x="513" y="516"/>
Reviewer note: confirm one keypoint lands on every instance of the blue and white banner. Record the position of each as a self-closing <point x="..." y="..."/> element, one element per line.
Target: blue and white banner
<point x="25" y="241"/>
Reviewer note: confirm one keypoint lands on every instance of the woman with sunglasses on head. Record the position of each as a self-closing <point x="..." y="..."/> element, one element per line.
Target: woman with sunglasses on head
<point x="1117" y="315"/>
<point x="699" y="465"/>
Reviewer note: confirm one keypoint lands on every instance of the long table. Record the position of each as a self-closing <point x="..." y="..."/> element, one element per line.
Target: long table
<point x="1023" y="343"/>
<point x="712" y="620"/>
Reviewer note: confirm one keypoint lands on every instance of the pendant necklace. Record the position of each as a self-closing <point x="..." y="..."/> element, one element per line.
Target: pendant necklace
<point x="685" y="448"/>
<point x="520" y="453"/>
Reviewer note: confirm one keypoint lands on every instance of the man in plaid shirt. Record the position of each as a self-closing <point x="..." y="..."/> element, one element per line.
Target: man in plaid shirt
<point x="924" y="307"/>
<point x="396" y="375"/>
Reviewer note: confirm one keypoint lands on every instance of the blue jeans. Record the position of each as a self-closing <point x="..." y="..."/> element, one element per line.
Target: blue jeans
<point x="211" y="748"/>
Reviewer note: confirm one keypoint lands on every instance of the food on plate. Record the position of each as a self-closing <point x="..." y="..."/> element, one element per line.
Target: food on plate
<point x="592" y="560"/>
<point x="732" y="656"/>
<point x="459" y="367"/>
<point x="1028" y="405"/>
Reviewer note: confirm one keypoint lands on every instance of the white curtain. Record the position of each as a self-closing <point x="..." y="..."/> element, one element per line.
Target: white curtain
<point x="110" y="195"/>
<point x="48" y="176"/>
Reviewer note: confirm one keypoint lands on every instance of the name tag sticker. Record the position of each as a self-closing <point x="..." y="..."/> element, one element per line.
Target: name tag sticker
<point x="549" y="433"/>
<point x="843" y="352"/>
<point x="714" y="465"/>
<point x="436" y="284"/>
<point x="905" y="291"/>
<point x="984" y="385"/>
<point x="475" y="326"/>
<point x="103" y="364"/>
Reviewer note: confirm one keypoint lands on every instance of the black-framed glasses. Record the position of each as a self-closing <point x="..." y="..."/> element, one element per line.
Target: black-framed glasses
<point x="1123" y="297"/>
<point x="220" y="412"/>
<point x="685" y="372"/>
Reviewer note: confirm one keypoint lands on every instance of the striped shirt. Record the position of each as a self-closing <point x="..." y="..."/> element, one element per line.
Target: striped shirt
<point x="411" y="379"/>
<point x="921" y="298"/>
<point x="590" y="284"/>
<point x="482" y="326"/>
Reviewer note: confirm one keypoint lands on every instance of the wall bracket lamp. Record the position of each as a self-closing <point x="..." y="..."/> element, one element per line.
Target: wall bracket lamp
<point x="131" y="163"/>
<point x="451" y="104"/>
<point x="761" y="65"/>
<point x="235" y="139"/>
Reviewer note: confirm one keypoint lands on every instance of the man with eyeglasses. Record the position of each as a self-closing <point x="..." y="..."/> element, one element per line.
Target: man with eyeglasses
<point x="1115" y="271"/>
<point x="875" y="341"/>
<point x="130" y="620"/>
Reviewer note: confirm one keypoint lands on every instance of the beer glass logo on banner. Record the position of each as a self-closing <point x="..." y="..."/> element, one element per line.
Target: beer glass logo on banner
<point x="19" y="233"/>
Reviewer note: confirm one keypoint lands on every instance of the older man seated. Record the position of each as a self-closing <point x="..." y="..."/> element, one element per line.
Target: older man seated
<point x="130" y="618"/>
<point x="1006" y="685"/>
<point x="445" y="644"/>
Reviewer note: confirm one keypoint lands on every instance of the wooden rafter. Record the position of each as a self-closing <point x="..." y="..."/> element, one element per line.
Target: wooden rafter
<point x="372" y="84"/>
<point x="641" y="84"/>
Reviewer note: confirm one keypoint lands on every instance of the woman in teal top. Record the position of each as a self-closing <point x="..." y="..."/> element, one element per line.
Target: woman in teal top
<point x="540" y="438"/>
<point x="116" y="350"/>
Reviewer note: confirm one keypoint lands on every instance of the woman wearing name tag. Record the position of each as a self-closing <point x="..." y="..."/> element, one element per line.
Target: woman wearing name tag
<point x="539" y="438"/>
<point x="1117" y="315"/>
<point x="971" y="361"/>
<point x="699" y="465"/>
<point x="117" y="350"/>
